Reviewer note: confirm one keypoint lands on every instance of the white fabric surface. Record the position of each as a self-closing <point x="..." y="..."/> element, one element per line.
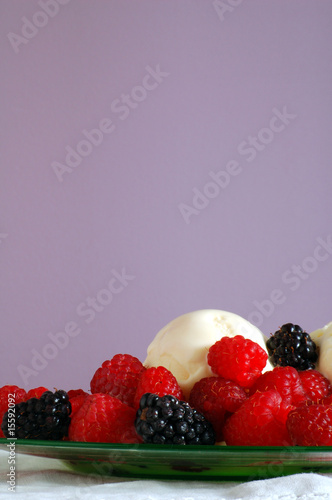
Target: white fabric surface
<point x="48" y="479"/>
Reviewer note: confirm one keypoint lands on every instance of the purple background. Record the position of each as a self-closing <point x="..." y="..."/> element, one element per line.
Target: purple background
<point x="119" y="208"/>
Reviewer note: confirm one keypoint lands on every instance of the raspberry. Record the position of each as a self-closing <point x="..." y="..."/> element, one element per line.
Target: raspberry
<point x="258" y="422"/>
<point x="76" y="392"/>
<point x="35" y="393"/>
<point x="118" y="377"/>
<point x="286" y="380"/>
<point x="291" y="346"/>
<point x="9" y="393"/>
<point x="310" y="425"/>
<point x="315" y="385"/>
<point x="237" y="359"/>
<point x="104" y="419"/>
<point x="43" y="418"/>
<point x="76" y="398"/>
<point x="76" y="402"/>
<point x="216" y="398"/>
<point x="159" y="381"/>
<point x="327" y="400"/>
<point x="166" y="420"/>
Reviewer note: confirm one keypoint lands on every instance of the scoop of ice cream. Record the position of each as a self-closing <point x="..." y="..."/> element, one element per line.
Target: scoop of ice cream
<point x="183" y="344"/>
<point x="323" y="339"/>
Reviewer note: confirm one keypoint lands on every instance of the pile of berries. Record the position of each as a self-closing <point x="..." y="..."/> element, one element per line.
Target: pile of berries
<point x="46" y="417"/>
<point x="239" y="404"/>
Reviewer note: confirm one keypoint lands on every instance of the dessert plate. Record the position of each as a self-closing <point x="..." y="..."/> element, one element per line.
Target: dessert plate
<point x="211" y="463"/>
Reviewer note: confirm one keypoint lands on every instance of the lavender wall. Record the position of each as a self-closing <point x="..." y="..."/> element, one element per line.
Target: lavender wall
<point x="159" y="157"/>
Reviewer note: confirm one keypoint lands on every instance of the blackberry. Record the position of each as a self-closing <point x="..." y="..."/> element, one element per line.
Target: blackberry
<point x="167" y="420"/>
<point x="45" y="418"/>
<point x="291" y="346"/>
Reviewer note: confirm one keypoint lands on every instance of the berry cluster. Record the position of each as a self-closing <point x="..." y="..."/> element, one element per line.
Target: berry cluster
<point x="166" y="420"/>
<point x="239" y="403"/>
<point x="291" y="346"/>
<point x="106" y="415"/>
<point x="47" y="417"/>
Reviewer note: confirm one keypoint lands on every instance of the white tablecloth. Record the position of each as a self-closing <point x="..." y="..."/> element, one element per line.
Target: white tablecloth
<point x="49" y="479"/>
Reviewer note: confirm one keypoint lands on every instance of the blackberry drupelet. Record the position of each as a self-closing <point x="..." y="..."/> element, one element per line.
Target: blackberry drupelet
<point x="167" y="420"/>
<point x="291" y="346"/>
<point x="45" y="418"/>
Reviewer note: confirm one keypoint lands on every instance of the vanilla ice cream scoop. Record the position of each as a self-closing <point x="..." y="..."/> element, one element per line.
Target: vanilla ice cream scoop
<point x="183" y="344"/>
<point x="323" y="339"/>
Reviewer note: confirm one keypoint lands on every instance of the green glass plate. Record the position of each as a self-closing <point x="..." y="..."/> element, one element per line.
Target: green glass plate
<point x="212" y="463"/>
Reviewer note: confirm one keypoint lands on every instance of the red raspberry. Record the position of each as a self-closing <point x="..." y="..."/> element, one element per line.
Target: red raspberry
<point x="76" y="398"/>
<point x="315" y="385"/>
<point x="237" y="359"/>
<point x="310" y="425"/>
<point x="76" y="392"/>
<point x="76" y="403"/>
<point x="258" y="422"/>
<point x="327" y="400"/>
<point x="216" y="398"/>
<point x="159" y="381"/>
<point x="118" y="377"/>
<point x="35" y="393"/>
<point x="104" y="419"/>
<point x="13" y="392"/>
<point x="284" y="379"/>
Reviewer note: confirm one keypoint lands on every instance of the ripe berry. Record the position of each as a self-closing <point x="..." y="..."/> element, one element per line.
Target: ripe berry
<point x="9" y="393"/>
<point x="76" y="392"/>
<point x="157" y="380"/>
<point x="238" y="359"/>
<point x="291" y="346"/>
<point x="327" y="400"/>
<point x="35" y="393"/>
<point x="76" y="398"/>
<point x="118" y="377"/>
<point x="310" y="425"/>
<point x="258" y="422"/>
<point x="167" y="420"/>
<point x="104" y="419"/>
<point x="286" y="380"/>
<point x="315" y="385"/>
<point x="45" y="418"/>
<point x="216" y="398"/>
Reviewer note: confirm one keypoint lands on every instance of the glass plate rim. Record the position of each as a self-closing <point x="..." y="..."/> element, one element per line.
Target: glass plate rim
<point x="144" y="446"/>
<point x="192" y="462"/>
